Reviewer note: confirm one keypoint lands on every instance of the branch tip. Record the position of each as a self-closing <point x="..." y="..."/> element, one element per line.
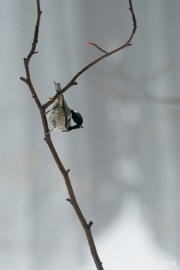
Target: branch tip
<point x="23" y="79"/>
<point x="68" y="170"/>
<point x="68" y="200"/>
<point x="90" y="224"/>
<point x="95" y="45"/>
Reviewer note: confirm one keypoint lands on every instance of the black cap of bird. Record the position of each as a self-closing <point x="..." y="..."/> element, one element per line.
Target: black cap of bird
<point x="60" y="116"/>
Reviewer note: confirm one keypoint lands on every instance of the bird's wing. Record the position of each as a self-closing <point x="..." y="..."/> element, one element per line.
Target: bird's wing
<point x="67" y="112"/>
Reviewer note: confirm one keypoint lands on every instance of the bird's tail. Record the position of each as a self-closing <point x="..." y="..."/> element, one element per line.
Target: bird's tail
<point x="58" y="90"/>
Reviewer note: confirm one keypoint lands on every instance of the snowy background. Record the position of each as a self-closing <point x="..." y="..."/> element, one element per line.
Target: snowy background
<point x="124" y="163"/>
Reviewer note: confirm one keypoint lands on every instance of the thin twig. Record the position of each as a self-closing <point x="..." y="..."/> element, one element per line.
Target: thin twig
<point x="97" y="46"/>
<point x="86" y="225"/>
<point x="29" y="56"/>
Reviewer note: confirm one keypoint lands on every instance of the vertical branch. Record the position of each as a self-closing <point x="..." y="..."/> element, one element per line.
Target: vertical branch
<point x="86" y="226"/>
<point x="27" y="59"/>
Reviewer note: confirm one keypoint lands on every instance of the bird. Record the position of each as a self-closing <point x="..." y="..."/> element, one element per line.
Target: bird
<point x="61" y="116"/>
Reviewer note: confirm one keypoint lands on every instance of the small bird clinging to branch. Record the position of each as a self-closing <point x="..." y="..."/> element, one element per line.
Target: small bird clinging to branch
<point x="60" y="116"/>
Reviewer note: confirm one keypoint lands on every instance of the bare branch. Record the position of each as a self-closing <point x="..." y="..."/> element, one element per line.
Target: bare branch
<point x="106" y="54"/>
<point x="65" y="173"/>
<point x="86" y="226"/>
<point x="36" y="33"/>
<point x="27" y="80"/>
<point x="95" y="45"/>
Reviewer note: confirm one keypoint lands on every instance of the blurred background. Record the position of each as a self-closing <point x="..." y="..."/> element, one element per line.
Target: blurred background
<point x="124" y="163"/>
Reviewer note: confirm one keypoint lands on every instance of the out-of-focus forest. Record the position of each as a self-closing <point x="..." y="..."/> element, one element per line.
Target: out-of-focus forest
<point x="124" y="163"/>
